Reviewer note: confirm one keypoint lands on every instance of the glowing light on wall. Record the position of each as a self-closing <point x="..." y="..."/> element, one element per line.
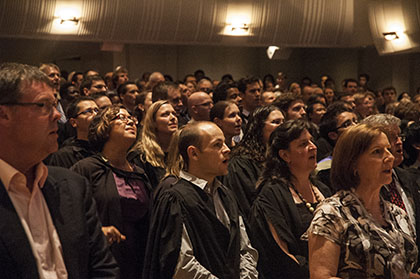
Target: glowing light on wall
<point x="238" y="19"/>
<point x="66" y="17"/>
<point x="390" y="36"/>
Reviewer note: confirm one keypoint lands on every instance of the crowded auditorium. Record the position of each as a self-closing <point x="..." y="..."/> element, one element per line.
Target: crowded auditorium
<point x="210" y="139"/>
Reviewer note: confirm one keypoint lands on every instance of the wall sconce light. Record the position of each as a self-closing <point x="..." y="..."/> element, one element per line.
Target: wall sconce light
<point x="390" y="36"/>
<point x="271" y="50"/>
<point x="67" y="17"/>
<point x="69" y="21"/>
<point x="237" y="29"/>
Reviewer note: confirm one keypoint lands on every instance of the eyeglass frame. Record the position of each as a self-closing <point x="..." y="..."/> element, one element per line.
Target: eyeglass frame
<point x="126" y="118"/>
<point x="47" y="104"/>
<point x="344" y="125"/>
<point x="89" y="111"/>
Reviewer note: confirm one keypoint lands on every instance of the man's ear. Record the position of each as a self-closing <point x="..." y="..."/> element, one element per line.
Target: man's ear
<point x="86" y="91"/>
<point x="416" y="146"/>
<point x="5" y="114"/>
<point x="333" y="136"/>
<point x="73" y="122"/>
<point x="140" y="107"/>
<point x="194" y="109"/>
<point x="217" y="121"/>
<point x="192" y="153"/>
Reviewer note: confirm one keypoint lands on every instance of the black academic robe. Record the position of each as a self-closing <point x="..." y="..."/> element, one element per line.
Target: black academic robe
<point x="70" y="154"/>
<point x="115" y="211"/>
<point x="275" y="203"/>
<point x="216" y="247"/>
<point x="242" y="179"/>
<point x="155" y="174"/>
<point x="324" y="148"/>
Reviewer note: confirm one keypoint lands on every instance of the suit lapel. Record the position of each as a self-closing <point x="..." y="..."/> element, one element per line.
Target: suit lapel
<point x="60" y="207"/>
<point x="14" y="238"/>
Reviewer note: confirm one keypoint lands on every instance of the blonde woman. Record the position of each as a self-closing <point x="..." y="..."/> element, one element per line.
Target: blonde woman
<point x="151" y="150"/>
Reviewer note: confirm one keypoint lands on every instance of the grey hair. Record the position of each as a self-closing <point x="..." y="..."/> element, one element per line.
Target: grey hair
<point x="15" y="76"/>
<point x="382" y="120"/>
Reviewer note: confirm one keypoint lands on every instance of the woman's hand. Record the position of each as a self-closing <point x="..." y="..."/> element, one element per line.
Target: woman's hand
<point x="112" y="234"/>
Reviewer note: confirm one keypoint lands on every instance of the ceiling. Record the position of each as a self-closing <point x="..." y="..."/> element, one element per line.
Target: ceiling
<point x="285" y="23"/>
<point x="294" y="23"/>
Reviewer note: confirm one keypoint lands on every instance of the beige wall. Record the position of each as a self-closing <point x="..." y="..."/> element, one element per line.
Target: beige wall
<point x="399" y="70"/>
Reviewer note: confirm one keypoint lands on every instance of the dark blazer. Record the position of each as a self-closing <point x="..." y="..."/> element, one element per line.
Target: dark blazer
<point x="409" y="182"/>
<point x="73" y="212"/>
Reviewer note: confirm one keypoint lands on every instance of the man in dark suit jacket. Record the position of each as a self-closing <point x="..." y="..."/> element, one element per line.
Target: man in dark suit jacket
<point x="48" y="220"/>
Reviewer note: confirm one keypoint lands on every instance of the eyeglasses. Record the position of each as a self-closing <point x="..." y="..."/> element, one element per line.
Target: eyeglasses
<point x="207" y="90"/>
<point x="207" y="104"/>
<point x="347" y="123"/>
<point x="46" y="107"/>
<point x="125" y="118"/>
<point x="88" y="111"/>
<point x="100" y="86"/>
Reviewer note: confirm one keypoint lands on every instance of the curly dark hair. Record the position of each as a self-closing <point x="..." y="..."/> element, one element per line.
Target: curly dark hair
<point x="275" y="168"/>
<point x="100" y="127"/>
<point x="251" y="144"/>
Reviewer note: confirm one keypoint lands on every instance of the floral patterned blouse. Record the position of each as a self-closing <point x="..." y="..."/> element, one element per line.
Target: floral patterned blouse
<point x="368" y="250"/>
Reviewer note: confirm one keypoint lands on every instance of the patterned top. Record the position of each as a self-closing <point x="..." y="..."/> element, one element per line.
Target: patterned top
<point x="367" y="250"/>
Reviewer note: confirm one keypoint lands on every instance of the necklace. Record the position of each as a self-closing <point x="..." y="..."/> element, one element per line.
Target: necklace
<point x="308" y="204"/>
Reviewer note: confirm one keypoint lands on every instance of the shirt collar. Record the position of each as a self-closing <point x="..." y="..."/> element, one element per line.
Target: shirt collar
<point x="201" y="183"/>
<point x="7" y="173"/>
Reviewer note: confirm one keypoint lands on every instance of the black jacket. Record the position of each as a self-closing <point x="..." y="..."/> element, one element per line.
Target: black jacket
<point x="73" y="212"/>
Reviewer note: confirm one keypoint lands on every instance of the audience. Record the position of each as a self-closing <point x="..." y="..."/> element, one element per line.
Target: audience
<point x="246" y="116"/>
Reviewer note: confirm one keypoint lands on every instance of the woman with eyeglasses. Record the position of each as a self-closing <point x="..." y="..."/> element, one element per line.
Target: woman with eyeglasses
<point x="150" y="151"/>
<point x="287" y="198"/>
<point x="121" y="189"/>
